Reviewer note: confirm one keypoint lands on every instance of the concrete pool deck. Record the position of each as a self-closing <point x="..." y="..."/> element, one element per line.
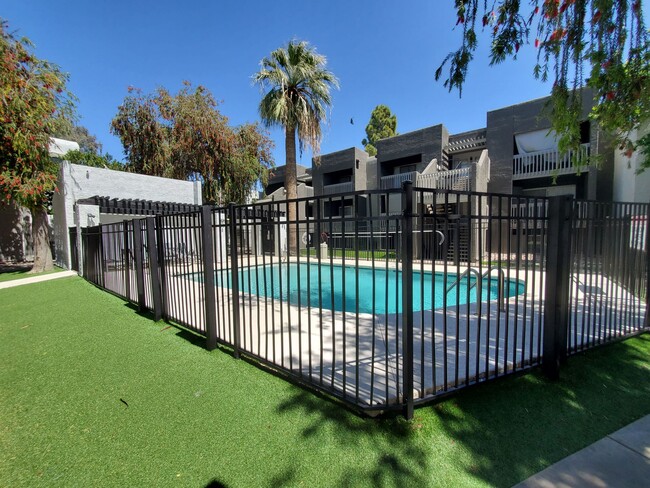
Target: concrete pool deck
<point x="359" y="357"/>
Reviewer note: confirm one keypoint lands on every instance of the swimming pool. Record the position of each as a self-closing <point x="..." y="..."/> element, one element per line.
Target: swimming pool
<point x="335" y="287"/>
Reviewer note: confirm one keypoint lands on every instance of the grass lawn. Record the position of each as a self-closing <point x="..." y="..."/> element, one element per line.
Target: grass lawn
<point x="17" y="275"/>
<point x="73" y="357"/>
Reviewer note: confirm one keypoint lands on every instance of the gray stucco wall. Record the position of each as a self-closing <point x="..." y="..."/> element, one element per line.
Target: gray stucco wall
<point x="76" y="182"/>
<point x="504" y="123"/>
<point x="428" y="142"/>
<point x="339" y="161"/>
<point x="279" y="172"/>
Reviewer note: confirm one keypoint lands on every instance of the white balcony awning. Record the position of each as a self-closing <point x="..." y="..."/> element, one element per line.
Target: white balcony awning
<point x="539" y="140"/>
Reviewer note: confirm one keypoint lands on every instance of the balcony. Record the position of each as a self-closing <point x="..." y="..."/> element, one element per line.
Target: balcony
<point x="395" y="181"/>
<point x="471" y="177"/>
<point x="337" y="188"/>
<point x="457" y="179"/>
<point x="549" y="163"/>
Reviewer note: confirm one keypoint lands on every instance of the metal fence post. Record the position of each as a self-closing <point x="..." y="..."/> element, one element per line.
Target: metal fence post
<point x="160" y="240"/>
<point x="646" y="234"/>
<point x="125" y="256"/>
<point x="234" y="270"/>
<point x="208" y="278"/>
<point x="407" y="297"/>
<point x="556" y="292"/>
<point x="152" y="251"/>
<point x="139" y="265"/>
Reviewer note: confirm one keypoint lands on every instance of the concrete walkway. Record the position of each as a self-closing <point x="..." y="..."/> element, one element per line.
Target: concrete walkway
<point x="621" y="459"/>
<point x="37" y="279"/>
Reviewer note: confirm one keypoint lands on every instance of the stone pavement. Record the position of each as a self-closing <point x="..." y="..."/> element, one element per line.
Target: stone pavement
<point x="621" y="459"/>
<point x="37" y="279"/>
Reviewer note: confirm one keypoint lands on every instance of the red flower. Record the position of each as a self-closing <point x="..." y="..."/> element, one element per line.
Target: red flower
<point x="610" y="95"/>
<point x="596" y="16"/>
<point x="536" y="43"/>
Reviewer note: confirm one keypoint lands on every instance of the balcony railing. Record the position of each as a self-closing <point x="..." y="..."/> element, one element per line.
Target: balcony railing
<point x="473" y="177"/>
<point x="548" y="163"/>
<point x="457" y="179"/>
<point x="395" y="181"/>
<point x="337" y="188"/>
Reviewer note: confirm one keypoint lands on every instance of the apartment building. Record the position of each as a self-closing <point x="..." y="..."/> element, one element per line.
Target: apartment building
<point x="514" y="154"/>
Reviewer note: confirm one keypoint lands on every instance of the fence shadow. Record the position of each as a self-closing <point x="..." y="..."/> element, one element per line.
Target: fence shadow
<point x="400" y="462"/>
<point x="512" y="436"/>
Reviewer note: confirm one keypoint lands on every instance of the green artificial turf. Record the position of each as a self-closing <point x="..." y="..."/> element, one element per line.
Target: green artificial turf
<point x="73" y="357"/>
<point x="17" y="275"/>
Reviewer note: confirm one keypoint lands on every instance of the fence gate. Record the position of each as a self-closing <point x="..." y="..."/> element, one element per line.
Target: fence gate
<point x="268" y="236"/>
<point x="74" y="255"/>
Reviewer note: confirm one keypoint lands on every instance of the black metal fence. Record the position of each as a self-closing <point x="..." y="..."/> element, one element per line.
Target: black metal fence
<point x="406" y="295"/>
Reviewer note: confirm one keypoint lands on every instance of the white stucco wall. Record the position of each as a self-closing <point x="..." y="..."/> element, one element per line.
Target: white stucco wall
<point x="76" y="182"/>
<point x="628" y="186"/>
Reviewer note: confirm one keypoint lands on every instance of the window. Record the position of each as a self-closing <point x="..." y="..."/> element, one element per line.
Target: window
<point x="409" y="168"/>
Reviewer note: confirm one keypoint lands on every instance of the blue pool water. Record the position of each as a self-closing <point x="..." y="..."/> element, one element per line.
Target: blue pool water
<point x="336" y="287"/>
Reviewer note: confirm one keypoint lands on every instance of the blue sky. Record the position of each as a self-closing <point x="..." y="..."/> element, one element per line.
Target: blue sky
<point x="382" y="52"/>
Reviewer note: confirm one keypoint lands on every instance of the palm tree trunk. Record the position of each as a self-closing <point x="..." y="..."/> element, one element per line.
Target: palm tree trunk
<point x="41" y="236"/>
<point x="291" y="187"/>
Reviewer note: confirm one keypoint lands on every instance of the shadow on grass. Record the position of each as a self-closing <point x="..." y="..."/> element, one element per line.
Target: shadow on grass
<point x="399" y="462"/>
<point x="185" y="334"/>
<point x="516" y="427"/>
<point x="215" y="483"/>
<point x="504" y="431"/>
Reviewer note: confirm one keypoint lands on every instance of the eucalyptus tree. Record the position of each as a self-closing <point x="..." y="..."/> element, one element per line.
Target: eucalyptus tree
<point x="88" y="142"/>
<point x="184" y="135"/>
<point x="602" y="44"/>
<point x="297" y="86"/>
<point x="33" y="97"/>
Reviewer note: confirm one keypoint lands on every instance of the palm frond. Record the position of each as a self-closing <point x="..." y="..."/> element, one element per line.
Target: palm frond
<point x="298" y="91"/>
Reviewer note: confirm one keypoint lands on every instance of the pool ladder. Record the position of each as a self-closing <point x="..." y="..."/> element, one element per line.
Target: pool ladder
<point x="501" y="299"/>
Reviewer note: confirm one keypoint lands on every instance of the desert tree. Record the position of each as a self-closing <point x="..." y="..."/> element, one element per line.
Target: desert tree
<point x="33" y="96"/>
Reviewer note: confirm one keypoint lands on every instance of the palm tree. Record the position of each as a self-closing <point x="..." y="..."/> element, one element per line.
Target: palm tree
<point x="297" y="86"/>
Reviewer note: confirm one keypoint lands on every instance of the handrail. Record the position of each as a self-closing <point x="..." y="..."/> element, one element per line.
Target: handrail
<point x="479" y="280"/>
<point x="465" y="273"/>
<point x="501" y="284"/>
<point x="338" y="188"/>
<point x="548" y="162"/>
<point x="395" y="181"/>
<point x="455" y="179"/>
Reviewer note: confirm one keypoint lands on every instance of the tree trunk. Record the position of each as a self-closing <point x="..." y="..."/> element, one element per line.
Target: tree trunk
<point x="291" y="187"/>
<point x="41" y="236"/>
